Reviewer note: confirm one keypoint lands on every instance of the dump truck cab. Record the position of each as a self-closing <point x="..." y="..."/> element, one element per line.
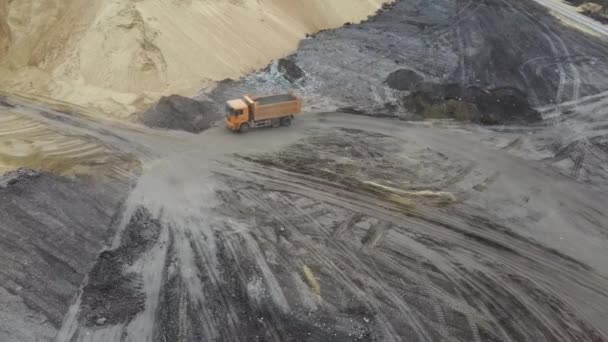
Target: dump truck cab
<point x="237" y="113"/>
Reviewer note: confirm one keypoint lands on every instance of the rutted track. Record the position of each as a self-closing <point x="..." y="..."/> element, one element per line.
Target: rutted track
<point x="384" y="240"/>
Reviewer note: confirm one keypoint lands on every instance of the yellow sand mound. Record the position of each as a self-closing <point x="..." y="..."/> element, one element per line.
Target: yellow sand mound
<point x="120" y="55"/>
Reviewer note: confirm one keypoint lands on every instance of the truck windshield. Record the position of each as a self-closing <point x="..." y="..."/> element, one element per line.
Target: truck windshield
<point x="233" y="112"/>
<point x="230" y="111"/>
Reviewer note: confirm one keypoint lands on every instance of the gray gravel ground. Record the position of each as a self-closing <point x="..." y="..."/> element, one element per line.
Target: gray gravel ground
<point x="51" y="231"/>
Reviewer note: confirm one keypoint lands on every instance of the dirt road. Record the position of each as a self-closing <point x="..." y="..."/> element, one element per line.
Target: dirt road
<point x="343" y="227"/>
<point x="327" y="231"/>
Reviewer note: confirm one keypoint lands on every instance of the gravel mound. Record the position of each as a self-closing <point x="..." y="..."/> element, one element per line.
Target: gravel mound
<point x="181" y="113"/>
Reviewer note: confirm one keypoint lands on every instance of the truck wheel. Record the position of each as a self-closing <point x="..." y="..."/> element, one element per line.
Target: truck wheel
<point x="286" y="121"/>
<point x="244" y="128"/>
<point x="275" y="123"/>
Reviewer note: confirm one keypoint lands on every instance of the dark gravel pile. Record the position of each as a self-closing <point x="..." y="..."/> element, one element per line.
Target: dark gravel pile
<point x="113" y="295"/>
<point x="181" y="113"/>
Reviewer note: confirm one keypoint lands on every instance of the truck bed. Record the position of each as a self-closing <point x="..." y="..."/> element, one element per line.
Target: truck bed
<point x="269" y="100"/>
<point x="273" y="107"/>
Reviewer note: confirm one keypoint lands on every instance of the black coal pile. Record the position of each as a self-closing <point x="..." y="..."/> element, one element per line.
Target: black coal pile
<point x="181" y="113"/>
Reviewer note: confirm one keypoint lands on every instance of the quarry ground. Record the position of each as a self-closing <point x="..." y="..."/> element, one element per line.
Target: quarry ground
<point x="378" y="226"/>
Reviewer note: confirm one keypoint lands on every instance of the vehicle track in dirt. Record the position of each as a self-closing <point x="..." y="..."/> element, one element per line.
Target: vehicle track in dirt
<point x="348" y="227"/>
<point x="500" y="249"/>
<point x="322" y="240"/>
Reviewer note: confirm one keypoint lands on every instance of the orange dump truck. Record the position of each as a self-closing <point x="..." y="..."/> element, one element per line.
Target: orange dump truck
<point x="267" y="111"/>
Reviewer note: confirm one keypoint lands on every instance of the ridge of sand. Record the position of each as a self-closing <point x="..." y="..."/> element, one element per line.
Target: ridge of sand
<point x="119" y="56"/>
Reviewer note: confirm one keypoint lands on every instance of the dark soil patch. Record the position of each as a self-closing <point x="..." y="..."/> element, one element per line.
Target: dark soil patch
<point x="351" y="110"/>
<point x="4" y="102"/>
<point x="181" y="113"/>
<point x="20" y="175"/>
<point x="403" y="79"/>
<point x="388" y="111"/>
<point x="111" y="295"/>
<point x="290" y="70"/>
<point x="484" y="106"/>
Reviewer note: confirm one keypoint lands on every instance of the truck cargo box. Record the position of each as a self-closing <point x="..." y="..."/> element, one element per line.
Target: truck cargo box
<point x="275" y="106"/>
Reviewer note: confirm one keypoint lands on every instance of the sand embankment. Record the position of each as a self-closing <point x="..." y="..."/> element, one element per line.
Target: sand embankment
<point x="119" y="56"/>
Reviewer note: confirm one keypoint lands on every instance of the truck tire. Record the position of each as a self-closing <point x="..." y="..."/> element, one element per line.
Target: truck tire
<point x="286" y="121"/>
<point x="244" y="128"/>
<point x="275" y="123"/>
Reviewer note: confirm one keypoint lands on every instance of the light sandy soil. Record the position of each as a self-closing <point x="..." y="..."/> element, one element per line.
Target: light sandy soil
<point x="31" y="144"/>
<point x="120" y="56"/>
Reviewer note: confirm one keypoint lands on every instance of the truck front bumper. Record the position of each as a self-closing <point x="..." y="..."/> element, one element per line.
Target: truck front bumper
<point x="231" y="126"/>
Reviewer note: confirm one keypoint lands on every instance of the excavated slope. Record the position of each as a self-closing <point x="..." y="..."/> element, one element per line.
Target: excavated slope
<point x="119" y="56"/>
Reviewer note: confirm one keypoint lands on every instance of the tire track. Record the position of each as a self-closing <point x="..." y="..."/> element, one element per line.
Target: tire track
<point x="389" y="333"/>
<point x="576" y="79"/>
<point x="502" y="256"/>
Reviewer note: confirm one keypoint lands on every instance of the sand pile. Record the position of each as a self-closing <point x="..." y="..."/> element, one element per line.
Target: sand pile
<point x="121" y="55"/>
